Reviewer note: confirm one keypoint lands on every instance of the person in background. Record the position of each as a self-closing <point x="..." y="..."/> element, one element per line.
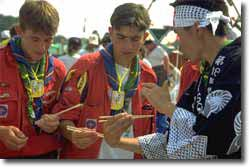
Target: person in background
<point x="4" y="38"/>
<point x="105" y="40"/>
<point x="156" y="55"/>
<point x="93" y="45"/>
<point x="143" y="53"/>
<point x="74" y="45"/>
<point x="13" y="31"/>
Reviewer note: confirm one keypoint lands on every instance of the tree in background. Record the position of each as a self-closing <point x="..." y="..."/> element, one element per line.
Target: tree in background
<point x="7" y="21"/>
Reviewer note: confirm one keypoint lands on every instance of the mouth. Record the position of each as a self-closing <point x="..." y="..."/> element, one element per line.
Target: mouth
<point x="39" y="53"/>
<point x="128" y="53"/>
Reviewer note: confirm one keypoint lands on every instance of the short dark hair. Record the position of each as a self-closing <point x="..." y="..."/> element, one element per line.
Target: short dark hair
<point x="211" y="5"/>
<point x="130" y="14"/>
<point x="74" y="44"/>
<point x="147" y="42"/>
<point x="39" y="16"/>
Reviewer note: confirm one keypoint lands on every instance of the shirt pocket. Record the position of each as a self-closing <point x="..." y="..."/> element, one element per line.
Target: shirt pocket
<point x="89" y="117"/>
<point x="9" y="111"/>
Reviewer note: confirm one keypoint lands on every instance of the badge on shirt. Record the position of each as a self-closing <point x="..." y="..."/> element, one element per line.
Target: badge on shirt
<point x="3" y="110"/>
<point x="91" y="123"/>
<point x="37" y="88"/>
<point x="117" y="100"/>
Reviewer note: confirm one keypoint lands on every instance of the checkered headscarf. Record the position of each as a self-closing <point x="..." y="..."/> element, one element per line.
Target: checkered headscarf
<point x="187" y="15"/>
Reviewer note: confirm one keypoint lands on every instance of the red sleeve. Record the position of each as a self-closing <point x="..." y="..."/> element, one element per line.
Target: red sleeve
<point x="70" y="90"/>
<point x="70" y="94"/>
<point x="53" y="88"/>
<point x="188" y="75"/>
<point x="149" y="76"/>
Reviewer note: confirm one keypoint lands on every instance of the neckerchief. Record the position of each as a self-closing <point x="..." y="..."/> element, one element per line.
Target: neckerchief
<point x="35" y="107"/>
<point x="133" y="79"/>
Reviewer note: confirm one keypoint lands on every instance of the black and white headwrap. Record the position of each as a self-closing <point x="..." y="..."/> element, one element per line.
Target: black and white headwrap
<point x="187" y="15"/>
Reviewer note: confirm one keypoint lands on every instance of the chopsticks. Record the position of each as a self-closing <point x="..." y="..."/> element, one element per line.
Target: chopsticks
<point x="103" y="119"/>
<point x="68" y="109"/>
<point x="79" y="130"/>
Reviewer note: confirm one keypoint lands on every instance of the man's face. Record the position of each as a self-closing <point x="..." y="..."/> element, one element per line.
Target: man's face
<point x="189" y="43"/>
<point x="127" y="41"/>
<point x="35" y="44"/>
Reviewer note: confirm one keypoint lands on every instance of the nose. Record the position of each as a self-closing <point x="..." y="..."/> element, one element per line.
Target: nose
<point x="128" y="45"/>
<point x="42" y="47"/>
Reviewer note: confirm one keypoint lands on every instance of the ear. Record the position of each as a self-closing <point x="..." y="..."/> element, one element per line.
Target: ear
<point x="110" y="30"/>
<point x="19" y="30"/>
<point x="145" y="35"/>
<point x="197" y="29"/>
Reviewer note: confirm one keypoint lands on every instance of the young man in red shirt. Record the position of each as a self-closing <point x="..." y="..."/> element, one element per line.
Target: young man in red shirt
<point x="29" y="83"/>
<point x="108" y="82"/>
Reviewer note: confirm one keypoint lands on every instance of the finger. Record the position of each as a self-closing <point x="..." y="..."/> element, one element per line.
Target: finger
<point x="86" y="140"/>
<point x="113" y="119"/>
<point x="17" y="141"/>
<point x="11" y="145"/>
<point x="50" y="117"/>
<point x="121" y="125"/>
<point x="146" y="92"/>
<point x="85" y="134"/>
<point x="149" y="85"/>
<point x="51" y="123"/>
<point x="18" y="133"/>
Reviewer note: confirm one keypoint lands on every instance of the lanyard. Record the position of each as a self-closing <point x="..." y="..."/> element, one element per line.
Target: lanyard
<point x="35" y="72"/>
<point x="120" y="78"/>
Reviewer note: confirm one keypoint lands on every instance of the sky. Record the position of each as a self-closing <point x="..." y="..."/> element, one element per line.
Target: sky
<point x="96" y="12"/>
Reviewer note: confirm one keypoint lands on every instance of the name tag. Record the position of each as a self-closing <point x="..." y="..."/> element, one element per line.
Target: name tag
<point x="37" y="88"/>
<point x="117" y="100"/>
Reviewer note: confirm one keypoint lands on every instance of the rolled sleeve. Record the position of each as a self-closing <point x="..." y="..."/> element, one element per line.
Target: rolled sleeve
<point x="154" y="146"/>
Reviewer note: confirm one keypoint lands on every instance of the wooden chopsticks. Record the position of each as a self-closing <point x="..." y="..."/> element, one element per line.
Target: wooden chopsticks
<point x="103" y="119"/>
<point x="75" y="129"/>
<point x="68" y="109"/>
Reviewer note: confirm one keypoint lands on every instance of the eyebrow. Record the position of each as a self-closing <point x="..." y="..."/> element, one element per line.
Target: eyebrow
<point x="122" y="35"/>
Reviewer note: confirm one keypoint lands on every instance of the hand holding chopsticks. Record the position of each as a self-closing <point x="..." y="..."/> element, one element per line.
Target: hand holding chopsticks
<point x="83" y="137"/>
<point x="79" y="130"/>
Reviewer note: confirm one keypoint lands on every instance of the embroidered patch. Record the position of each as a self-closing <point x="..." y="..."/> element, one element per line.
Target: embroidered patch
<point x="216" y="101"/>
<point x="4" y="95"/>
<point x="91" y="123"/>
<point x="3" y="110"/>
<point x="68" y="89"/>
<point x="70" y="74"/>
<point x="82" y="82"/>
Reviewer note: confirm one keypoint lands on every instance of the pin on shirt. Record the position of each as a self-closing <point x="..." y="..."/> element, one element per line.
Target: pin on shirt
<point x="3" y="110"/>
<point x="91" y="123"/>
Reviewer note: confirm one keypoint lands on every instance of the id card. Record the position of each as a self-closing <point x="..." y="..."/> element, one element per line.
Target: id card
<point x="37" y="88"/>
<point x="117" y="100"/>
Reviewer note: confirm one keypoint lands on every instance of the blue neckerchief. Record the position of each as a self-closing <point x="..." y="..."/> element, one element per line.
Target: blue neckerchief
<point x="109" y="64"/>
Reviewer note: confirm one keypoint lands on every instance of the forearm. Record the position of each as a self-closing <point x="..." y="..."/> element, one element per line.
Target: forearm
<point x="130" y="144"/>
<point x="63" y="128"/>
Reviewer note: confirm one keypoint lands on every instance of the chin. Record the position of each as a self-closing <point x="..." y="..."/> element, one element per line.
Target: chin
<point x="36" y="58"/>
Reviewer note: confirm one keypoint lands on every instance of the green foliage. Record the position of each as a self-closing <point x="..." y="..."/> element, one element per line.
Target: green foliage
<point x="7" y="21"/>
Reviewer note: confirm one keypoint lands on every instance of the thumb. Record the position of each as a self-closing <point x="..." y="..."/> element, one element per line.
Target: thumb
<point x="18" y="133"/>
<point x="166" y="90"/>
<point x="39" y="122"/>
